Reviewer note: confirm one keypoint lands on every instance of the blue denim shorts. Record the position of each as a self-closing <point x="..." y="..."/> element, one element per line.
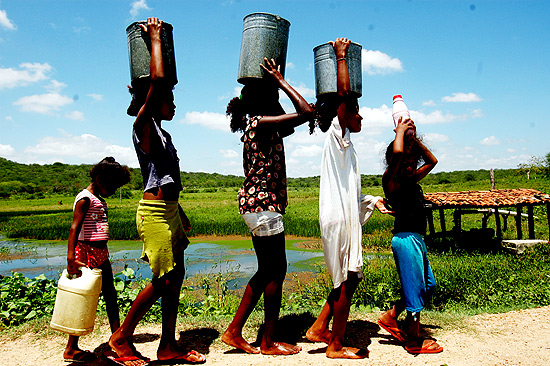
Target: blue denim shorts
<point x="415" y="272"/>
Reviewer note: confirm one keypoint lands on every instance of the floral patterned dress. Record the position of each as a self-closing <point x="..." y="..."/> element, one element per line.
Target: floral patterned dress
<point x="264" y="187"/>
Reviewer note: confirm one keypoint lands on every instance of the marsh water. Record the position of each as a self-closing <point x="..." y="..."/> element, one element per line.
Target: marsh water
<point x="220" y="257"/>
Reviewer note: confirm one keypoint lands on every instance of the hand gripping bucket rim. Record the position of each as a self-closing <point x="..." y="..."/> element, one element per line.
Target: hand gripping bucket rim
<point x="326" y="66"/>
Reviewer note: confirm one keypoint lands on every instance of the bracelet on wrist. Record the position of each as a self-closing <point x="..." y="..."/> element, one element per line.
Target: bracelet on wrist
<point x="340" y="59"/>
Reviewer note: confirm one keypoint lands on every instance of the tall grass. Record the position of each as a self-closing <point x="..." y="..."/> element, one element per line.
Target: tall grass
<point x="216" y="213"/>
<point x="472" y="282"/>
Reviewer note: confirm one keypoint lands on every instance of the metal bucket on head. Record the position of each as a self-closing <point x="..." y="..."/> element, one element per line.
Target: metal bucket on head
<point x="326" y="69"/>
<point x="264" y="35"/>
<point x="139" y="51"/>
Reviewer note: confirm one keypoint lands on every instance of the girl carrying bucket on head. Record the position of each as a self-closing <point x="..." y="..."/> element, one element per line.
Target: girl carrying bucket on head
<point x="263" y="198"/>
<point x="404" y="194"/>
<point x="161" y="222"/>
<point x="87" y="246"/>
<point x="342" y="209"/>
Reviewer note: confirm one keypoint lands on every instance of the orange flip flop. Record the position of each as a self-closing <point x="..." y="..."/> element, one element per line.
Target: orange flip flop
<point x="395" y="332"/>
<point x="415" y="350"/>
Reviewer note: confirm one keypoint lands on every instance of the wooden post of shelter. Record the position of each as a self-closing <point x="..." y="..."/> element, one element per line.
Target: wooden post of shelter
<point x="497" y="222"/>
<point x="531" y="221"/>
<point x="518" y="222"/>
<point x="457" y="228"/>
<point x="430" y="218"/>
<point x="442" y="220"/>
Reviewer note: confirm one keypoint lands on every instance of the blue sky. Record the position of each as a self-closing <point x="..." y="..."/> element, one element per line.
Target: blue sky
<point x="473" y="73"/>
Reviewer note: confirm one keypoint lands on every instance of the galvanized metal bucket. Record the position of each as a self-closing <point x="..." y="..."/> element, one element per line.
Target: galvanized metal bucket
<point x="139" y="51"/>
<point x="326" y="69"/>
<point x="264" y="35"/>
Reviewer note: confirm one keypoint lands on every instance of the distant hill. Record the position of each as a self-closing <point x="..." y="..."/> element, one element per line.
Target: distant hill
<point x="38" y="180"/>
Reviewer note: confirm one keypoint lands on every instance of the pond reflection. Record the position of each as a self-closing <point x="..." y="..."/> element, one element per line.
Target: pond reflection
<point x="32" y="259"/>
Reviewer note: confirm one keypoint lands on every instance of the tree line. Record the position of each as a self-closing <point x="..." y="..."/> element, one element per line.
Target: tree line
<point x="37" y="181"/>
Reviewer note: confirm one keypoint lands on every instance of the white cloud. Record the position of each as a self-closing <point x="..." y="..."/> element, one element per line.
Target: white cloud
<point x="435" y="137"/>
<point x="461" y="98"/>
<point x="211" y="120"/>
<point x="55" y="86"/>
<point x="376" y="62"/>
<point x="96" y="97"/>
<point x="75" y="115"/>
<point x="490" y="141"/>
<point x="428" y="103"/>
<point x="434" y="117"/>
<point x="28" y="73"/>
<point x="302" y="89"/>
<point x="138" y="6"/>
<point x="81" y="149"/>
<point x="229" y="154"/>
<point x="376" y="119"/>
<point x="290" y="65"/>
<point x="5" y="22"/>
<point x="43" y="103"/>
<point x="303" y="151"/>
<point x="6" y="150"/>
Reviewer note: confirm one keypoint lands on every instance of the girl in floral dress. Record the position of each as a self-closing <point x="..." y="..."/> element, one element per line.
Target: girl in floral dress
<point x="263" y="198"/>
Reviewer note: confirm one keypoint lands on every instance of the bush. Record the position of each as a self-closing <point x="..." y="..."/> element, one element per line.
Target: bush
<point x="23" y="299"/>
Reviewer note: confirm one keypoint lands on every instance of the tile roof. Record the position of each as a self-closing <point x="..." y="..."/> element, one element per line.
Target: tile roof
<point x="492" y="198"/>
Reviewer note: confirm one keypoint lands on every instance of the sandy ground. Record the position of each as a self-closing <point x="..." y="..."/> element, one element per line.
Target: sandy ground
<point x="514" y="338"/>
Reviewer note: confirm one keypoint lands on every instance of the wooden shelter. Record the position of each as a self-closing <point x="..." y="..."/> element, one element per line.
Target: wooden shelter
<point x="495" y="201"/>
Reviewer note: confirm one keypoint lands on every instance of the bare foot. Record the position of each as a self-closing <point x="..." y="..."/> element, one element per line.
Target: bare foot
<point x="238" y="342"/>
<point x="315" y="336"/>
<point x="186" y="357"/>
<point x="389" y="323"/>
<point x="280" y="348"/>
<point x="348" y="352"/>
<point x="78" y="355"/>
<point x="122" y="348"/>
<point x="172" y="352"/>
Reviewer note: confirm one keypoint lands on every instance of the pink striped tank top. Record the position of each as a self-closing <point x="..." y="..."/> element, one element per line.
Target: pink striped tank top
<point x="95" y="226"/>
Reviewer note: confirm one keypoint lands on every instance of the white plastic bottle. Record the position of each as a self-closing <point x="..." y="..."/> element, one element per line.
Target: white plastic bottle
<point x="399" y="109"/>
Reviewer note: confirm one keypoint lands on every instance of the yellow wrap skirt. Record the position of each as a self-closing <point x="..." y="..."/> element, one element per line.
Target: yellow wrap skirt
<point x="160" y="227"/>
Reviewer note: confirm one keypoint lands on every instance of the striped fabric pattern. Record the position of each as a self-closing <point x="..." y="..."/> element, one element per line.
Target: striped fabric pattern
<point x="95" y="226"/>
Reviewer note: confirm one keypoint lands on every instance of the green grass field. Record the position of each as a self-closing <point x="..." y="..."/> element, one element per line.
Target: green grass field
<point x="473" y="276"/>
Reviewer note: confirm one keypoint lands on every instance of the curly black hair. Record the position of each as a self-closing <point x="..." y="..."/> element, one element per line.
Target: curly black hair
<point x="236" y="111"/>
<point x="411" y="142"/>
<point x="109" y="170"/>
<point x="325" y="109"/>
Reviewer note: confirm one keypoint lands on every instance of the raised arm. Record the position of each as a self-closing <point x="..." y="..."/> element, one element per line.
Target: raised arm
<point x="303" y="110"/>
<point x="143" y="122"/>
<point x="430" y="162"/>
<point x="389" y="178"/>
<point x="341" y="46"/>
